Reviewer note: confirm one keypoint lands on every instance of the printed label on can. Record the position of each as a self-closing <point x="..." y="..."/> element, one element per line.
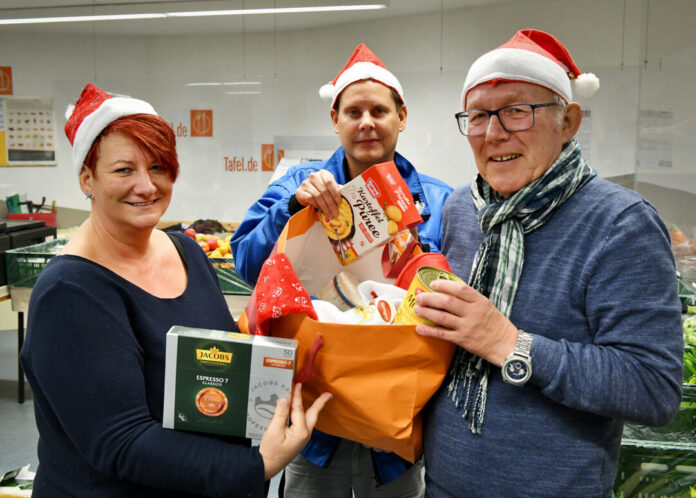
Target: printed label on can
<point x="420" y="283"/>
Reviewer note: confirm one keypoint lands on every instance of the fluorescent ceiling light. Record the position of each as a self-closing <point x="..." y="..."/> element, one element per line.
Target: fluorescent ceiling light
<point x="105" y="17"/>
<point x="285" y="10"/>
<point x="202" y="13"/>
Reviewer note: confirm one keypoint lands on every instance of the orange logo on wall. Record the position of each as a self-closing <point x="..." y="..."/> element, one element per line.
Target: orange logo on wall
<point x="5" y="80"/>
<point x="267" y="163"/>
<point x="201" y="122"/>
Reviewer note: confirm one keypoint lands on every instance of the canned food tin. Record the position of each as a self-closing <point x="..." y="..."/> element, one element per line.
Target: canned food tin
<point x="420" y="283"/>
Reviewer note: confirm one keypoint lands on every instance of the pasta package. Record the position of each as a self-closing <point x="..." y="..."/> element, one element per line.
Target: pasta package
<point x="225" y="382"/>
<point x="374" y="207"/>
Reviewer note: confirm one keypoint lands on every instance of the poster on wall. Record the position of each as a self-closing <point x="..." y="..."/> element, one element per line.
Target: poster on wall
<point x="654" y="139"/>
<point x="5" y="80"/>
<point x="27" y="131"/>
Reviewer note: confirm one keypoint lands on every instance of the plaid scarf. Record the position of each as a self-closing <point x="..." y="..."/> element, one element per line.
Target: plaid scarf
<point x="498" y="263"/>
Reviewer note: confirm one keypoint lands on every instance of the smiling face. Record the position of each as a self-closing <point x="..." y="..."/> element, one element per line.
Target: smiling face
<point x="368" y="124"/>
<point x="129" y="188"/>
<point x="509" y="161"/>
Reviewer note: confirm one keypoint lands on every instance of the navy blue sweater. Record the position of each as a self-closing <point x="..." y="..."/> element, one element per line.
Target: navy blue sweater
<point x="94" y="357"/>
<point x="599" y="293"/>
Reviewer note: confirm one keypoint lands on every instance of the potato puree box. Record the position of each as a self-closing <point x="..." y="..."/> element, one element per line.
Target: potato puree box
<point x="374" y="207"/>
<point x="225" y="382"/>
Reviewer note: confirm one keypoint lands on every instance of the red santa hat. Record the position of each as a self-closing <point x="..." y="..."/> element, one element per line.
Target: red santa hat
<point x="362" y="65"/>
<point x="94" y="111"/>
<point x="532" y="56"/>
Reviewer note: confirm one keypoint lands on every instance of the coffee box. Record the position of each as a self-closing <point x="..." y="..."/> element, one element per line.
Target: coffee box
<point x="224" y="382"/>
<point x="375" y="206"/>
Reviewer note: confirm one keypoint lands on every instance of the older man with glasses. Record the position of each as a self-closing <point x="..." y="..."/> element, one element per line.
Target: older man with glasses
<point x="570" y="323"/>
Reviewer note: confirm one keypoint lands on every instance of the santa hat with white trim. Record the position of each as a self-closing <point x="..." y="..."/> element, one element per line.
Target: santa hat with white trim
<point x="94" y="111"/>
<point x="532" y="56"/>
<point x="362" y="65"/>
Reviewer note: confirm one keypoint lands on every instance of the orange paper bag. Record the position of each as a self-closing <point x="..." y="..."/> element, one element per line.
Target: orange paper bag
<point x="381" y="376"/>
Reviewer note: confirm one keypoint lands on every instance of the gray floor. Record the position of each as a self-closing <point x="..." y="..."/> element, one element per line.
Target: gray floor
<point x="18" y="435"/>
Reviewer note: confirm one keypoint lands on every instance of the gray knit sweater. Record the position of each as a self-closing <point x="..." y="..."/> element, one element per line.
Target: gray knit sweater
<point x="599" y="293"/>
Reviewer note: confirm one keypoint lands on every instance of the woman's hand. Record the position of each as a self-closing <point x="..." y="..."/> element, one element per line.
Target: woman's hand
<point x="466" y="318"/>
<point x="321" y="191"/>
<point x="281" y="443"/>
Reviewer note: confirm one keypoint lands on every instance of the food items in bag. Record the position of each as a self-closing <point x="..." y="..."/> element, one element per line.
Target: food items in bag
<point x="340" y="226"/>
<point x="378" y="311"/>
<point x="421" y="283"/>
<point x="341" y="291"/>
<point x="375" y="206"/>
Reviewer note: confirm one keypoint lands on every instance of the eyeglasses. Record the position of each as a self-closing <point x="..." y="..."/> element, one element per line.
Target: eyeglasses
<point x="516" y="117"/>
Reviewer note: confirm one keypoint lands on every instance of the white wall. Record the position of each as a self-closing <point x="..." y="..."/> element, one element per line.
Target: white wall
<point x="611" y="38"/>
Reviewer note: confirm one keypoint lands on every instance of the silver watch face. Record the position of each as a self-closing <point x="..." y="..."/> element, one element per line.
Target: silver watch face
<point x="516" y="371"/>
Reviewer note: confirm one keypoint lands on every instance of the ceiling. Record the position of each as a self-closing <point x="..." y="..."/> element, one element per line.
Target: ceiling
<point x="13" y="9"/>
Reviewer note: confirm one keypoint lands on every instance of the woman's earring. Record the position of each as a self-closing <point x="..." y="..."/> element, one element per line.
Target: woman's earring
<point x="89" y="195"/>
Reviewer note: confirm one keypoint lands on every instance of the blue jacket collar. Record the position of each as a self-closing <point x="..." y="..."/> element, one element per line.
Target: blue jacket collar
<point x="337" y="163"/>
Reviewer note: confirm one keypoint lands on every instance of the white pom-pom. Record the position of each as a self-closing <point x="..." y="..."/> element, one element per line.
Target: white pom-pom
<point x="69" y="111"/>
<point x="326" y="92"/>
<point x="586" y="84"/>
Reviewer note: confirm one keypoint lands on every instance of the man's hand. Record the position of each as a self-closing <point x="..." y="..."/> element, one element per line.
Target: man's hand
<point x="281" y="443"/>
<point x="321" y="191"/>
<point x="466" y="318"/>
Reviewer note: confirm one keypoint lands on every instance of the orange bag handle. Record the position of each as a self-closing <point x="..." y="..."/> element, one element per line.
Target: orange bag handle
<point x="303" y="376"/>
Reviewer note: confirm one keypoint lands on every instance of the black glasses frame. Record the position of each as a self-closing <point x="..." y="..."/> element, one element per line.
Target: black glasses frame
<point x="495" y="113"/>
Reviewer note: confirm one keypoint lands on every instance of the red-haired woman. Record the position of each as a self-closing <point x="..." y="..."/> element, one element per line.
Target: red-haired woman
<point x="98" y="317"/>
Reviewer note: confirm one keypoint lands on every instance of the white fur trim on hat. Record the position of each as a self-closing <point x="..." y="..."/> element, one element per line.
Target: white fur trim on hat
<point x="365" y="71"/>
<point x="326" y="92"/>
<point x="518" y="65"/>
<point x="586" y="84"/>
<point x="93" y="124"/>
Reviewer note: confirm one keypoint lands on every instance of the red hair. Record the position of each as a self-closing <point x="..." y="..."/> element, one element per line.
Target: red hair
<point x="151" y="133"/>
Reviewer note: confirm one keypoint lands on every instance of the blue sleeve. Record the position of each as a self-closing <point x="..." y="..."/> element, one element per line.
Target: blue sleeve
<point x="263" y="222"/>
<point x="632" y="369"/>
<point x="91" y="370"/>
<point x="430" y="231"/>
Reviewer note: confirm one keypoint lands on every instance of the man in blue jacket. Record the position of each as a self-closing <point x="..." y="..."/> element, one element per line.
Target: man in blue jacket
<point x="368" y="113"/>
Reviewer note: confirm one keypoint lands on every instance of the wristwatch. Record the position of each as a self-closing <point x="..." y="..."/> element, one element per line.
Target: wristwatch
<point x="517" y="367"/>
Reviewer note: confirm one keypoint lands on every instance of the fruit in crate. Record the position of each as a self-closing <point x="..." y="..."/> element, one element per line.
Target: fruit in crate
<point x="215" y="246"/>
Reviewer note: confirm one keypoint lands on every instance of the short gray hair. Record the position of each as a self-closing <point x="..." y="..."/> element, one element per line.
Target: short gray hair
<point x="560" y="107"/>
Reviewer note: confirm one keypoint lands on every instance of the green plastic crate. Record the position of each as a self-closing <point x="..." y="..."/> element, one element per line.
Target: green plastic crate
<point x="25" y="263"/>
<point x="687" y="293"/>
<point x="660" y="462"/>
<point x="230" y="281"/>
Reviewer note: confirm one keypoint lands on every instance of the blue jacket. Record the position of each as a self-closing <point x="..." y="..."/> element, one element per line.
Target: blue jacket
<point x="265" y="219"/>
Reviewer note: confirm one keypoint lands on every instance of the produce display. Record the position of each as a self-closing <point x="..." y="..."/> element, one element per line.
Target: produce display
<point x="689" y="325"/>
<point x="661" y="461"/>
<point x="215" y="246"/>
<point x="684" y="250"/>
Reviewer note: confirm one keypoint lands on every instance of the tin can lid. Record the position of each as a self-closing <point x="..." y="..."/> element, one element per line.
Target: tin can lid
<point x="432" y="259"/>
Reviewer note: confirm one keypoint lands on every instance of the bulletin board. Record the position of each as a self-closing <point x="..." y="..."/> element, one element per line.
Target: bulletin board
<point x="27" y="131"/>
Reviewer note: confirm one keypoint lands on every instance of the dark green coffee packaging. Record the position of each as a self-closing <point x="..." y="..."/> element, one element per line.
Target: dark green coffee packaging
<point x="225" y="382"/>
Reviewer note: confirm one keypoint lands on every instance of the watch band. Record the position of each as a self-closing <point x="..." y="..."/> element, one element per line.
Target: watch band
<point x="524" y="344"/>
